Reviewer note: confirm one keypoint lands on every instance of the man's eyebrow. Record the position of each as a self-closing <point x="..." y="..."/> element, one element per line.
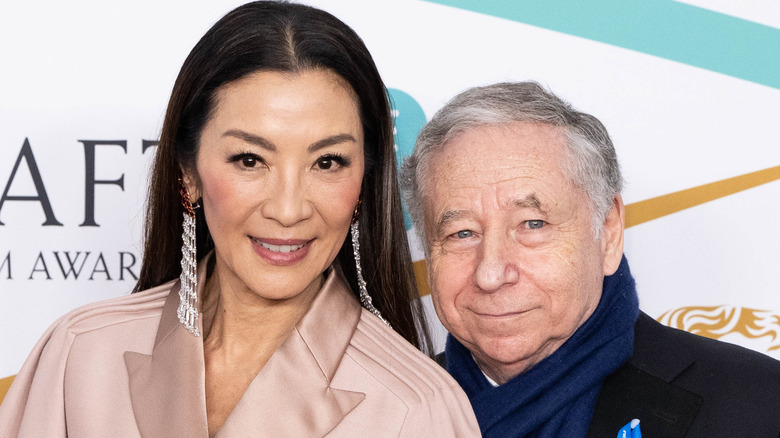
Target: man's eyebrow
<point x="330" y="141"/>
<point x="250" y="138"/>
<point x="450" y="216"/>
<point x="530" y="201"/>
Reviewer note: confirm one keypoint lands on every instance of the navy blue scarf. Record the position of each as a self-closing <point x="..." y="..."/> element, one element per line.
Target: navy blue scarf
<point x="557" y="396"/>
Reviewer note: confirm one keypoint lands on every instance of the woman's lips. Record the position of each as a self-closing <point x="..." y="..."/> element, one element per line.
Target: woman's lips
<point x="281" y="248"/>
<point x="281" y="252"/>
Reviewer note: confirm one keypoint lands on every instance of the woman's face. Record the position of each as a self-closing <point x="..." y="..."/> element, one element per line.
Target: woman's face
<point x="279" y="172"/>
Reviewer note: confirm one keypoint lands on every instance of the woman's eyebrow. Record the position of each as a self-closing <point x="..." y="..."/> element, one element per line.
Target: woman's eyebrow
<point x="329" y="141"/>
<point x="250" y="138"/>
<point x="268" y="145"/>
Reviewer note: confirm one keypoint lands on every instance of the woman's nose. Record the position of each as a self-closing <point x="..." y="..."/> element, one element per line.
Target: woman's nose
<point x="287" y="202"/>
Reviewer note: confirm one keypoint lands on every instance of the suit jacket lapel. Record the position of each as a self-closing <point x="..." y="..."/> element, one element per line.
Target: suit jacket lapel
<point x="292" y="395"/>
<point x="643" y="388"/>
<point x="167" y="388"/>
<point x="662" y="408"/>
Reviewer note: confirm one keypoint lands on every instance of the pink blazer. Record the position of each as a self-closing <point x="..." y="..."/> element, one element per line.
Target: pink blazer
<point x="126" y="367"/>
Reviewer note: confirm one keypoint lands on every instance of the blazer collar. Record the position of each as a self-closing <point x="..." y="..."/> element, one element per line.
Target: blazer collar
<point x="167" y="387"/>
<point x="644" y="388"/>
<point x="665" y="360"/>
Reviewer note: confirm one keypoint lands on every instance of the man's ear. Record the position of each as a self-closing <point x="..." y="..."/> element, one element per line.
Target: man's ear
<point x="191" y="183"/>
<point x="612" y="236"/>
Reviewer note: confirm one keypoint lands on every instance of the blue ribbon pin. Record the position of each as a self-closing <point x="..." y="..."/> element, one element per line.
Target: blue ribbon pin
<point x="630" y="430"/>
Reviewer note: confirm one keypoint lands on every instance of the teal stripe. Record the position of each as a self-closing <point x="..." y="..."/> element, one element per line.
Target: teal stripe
<point x="664" y="28"/>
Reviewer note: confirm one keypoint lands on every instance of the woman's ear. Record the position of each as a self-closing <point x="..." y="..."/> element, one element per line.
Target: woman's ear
<point x="612" y="236"/>
<point x="191" y="183"/>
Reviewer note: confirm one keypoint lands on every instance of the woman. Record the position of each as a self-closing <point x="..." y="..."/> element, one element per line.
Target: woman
<point x="276" y="145"/>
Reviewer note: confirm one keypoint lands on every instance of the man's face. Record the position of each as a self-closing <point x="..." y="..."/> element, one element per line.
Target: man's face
<point x="514" y="264"/>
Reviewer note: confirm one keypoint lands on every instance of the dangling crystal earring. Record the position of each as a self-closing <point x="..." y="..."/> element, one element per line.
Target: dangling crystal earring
<point x="365" y="298"/>
<point x="188" y="296"/>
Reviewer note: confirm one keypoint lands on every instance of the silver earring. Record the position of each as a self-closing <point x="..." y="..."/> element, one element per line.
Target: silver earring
<point x="188" y="296"/>
<point x="365" y="298"/>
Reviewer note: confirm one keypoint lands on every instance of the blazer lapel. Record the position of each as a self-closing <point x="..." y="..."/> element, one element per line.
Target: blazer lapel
<point x="167" y="388"/>
<point x="662" y="408"/>
<point x="293" y="394"/>
<point x="643" y="388"/>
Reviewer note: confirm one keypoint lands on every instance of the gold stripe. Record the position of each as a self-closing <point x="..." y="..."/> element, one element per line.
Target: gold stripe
<point x="654" y="208"/>
<point x="5" y="383"/>
<point x="421" y="275"/>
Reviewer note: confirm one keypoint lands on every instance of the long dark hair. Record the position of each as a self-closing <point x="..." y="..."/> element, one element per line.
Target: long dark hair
<point x="276" y="36"/>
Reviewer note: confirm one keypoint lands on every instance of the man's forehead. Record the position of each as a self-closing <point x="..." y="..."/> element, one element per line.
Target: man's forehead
<point x="499" y="146"/>
<point x="474" y="162"/>
<point x="512" y="166"/>
<point x="519" y="131"/>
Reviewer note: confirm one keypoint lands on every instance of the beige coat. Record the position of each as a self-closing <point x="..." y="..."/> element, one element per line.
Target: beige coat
<point x="126" y="367"/>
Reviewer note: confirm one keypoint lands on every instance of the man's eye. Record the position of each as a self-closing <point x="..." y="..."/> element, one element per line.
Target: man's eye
<point x="464" y="234"/>
<point x="535" y="224"/>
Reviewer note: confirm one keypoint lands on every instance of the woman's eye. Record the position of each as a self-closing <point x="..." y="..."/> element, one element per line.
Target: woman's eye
<point x="332" y="162"/>
<point x="535" y="224"/>
<point x="464" y="234"/>
<point x="248" y="161"/>
<point x="325" y="163"/>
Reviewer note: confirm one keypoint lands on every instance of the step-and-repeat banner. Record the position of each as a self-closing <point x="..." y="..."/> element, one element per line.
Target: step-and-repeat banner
<point x="689" y="91"/>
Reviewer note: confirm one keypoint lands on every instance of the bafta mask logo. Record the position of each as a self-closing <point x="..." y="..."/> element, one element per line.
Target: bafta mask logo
<point x="728" y="323"/>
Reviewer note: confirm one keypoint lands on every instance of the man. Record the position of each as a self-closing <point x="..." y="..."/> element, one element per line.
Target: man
<point x="516" y="197"/>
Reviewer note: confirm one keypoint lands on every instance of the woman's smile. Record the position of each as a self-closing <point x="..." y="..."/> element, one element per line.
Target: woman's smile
<point x="284" y="246"/>
<point x="281" y="252"/>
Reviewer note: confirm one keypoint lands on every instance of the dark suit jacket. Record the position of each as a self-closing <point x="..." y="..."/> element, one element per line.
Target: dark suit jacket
<point x="682" y="385"/>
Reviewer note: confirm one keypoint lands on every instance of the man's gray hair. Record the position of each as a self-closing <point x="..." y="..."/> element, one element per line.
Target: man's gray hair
<point x="591" y="159"/>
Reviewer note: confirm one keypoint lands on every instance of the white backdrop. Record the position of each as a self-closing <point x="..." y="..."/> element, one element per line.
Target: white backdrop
<point x="82" y="72"/>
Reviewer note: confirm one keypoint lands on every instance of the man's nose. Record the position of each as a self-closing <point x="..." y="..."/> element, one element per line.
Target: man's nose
<point x="496" y="263"/>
